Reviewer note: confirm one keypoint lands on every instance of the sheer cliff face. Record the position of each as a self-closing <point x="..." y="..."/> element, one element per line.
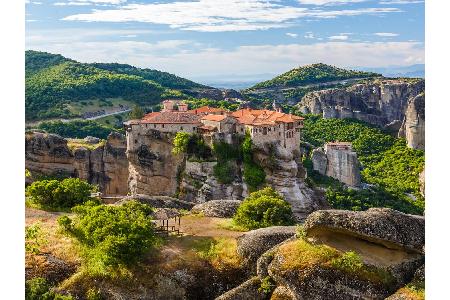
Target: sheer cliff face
<point x="413" y="126"/>
<point x="105" y="165"/>
<point x="379" y="102"/>
<point x="153" y="169"/>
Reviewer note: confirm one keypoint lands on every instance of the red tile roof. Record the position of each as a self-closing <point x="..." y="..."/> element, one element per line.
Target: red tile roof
<point x="263" y="117"/>
<point x="173" y="117"/>
<point x="206" y="109"/>
<point x="216" y="118"/>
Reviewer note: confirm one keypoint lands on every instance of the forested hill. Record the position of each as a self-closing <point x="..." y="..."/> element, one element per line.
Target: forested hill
<point x="54" y="83"/>
<point x="312" y="74"/>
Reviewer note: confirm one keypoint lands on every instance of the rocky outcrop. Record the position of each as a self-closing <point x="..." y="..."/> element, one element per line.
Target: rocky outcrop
<point x="199" y="185"/>
<point x="339" y="163"/>
<point x="157" y="201"/>
<point x="253" y="244"/>
<point x="104" y="163"/>
<point x="413" y="126"/>
<point x="379" y="101"/>
<point x="385" y="226"/>
<point x="245" y="291"/>
<point x="217" y="208"/>
<point x="422" y="182"/>
<point x="285" y="174"/>
<point x="153" y="169"/>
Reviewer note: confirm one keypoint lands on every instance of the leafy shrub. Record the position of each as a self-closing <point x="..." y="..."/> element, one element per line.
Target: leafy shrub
<point x="136" y="113"/>
<point x="263" y="208"/>
<point x="225" y="151"/>
<point x="60" y="194"/>
<point x="34" y="239"/>
<point x="39" y="289"/>
<point x="254" y="174"/>
<point x="267" y="285"/>
<point x="180" y="142"/>
<point x="197" y="148"/>
<point x="224" y="172"/>
<point x="111" y="235"/>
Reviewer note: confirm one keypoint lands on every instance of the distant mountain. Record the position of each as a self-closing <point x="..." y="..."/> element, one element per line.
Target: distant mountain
<point x="310" y="75"/>
<point x="53" y="83"/>
<point x="412" y="71"/>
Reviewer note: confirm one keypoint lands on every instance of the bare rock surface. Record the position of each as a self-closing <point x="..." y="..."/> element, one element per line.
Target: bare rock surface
<point x="245" y="291"/>
<point x="385" y="226"/>
<point x="217" y="208"/>
<point x="252" y="244"/>
<point x="413" y="126"/>
<point x="158" y="201"/>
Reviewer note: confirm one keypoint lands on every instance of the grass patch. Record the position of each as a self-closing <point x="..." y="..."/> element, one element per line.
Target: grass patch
<point x="78" y="143"/>
<point x="301" y="254"/>
<point x="221" y="253"/>
<point x="229" y="224"/>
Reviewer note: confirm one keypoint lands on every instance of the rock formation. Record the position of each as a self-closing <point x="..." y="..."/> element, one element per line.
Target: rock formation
<point x="157" y="201"/>
<point x="390" y="245"/>
<point x="154" y="170"/>
<point x="286" y="175"/>
<point x="217" y="208"/>
<point x="413" y="126"/>
<point x="380" y="102"/>
<point x="339" y="161"/>
<point x="103" y="163"/>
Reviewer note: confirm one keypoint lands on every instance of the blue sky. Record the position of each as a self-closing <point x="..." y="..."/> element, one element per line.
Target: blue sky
<point x="232" y="38"/>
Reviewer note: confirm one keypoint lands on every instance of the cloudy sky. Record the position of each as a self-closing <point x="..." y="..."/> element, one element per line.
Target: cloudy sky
<point x="214" y="38"/>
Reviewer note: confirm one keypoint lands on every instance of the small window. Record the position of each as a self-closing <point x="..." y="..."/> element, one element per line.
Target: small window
<point x="162" y="125"/>
<point x="135" y="141"/>
<point x="181" y="127"/>
<point x="154" y="125"/>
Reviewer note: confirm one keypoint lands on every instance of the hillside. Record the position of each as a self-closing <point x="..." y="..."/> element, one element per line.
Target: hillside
<point x="312" y="74"/>
<point x="55" y="85"/>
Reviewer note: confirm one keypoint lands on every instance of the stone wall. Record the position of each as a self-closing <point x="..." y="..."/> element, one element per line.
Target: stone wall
<point x="105" y="165"/>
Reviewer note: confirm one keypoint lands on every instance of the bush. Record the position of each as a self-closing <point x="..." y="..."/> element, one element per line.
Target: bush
<point x="60" y="194"/>
<point x="224" y="172"/>
<point x="263" y="208"/>
<point x="39" y="289"/>
<point x="111" y="235"/>
<point x="180" y="142"/>
<point x="254" y="174"/>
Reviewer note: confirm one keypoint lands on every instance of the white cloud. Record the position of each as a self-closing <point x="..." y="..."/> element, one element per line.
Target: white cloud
<point x="309" y="35"/>
<point x="89" y="2"/>
<point x="338" y="37"/>
<point x="245" y="60"/>
<point x="386" y="34"/>
<point x="329" y="2"/>
<point x="401" y="1"/>
<point x="217" y="16"/>
<point x="293" y="35"/>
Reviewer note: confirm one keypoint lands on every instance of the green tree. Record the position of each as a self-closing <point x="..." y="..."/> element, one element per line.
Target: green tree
<point x="180" y="142"/>
<point x="263" y="208"/>
<point x="112" y="235"/>
<point x="136" y="113"/>
<point x="60" y="194"/>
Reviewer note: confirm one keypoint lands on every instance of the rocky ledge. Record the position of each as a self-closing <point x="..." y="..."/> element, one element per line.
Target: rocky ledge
<point x="217" y="208"/>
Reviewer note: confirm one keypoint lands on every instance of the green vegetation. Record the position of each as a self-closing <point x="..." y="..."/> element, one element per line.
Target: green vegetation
<point x="47" y="90"/>
<point x="387" y="163"/>
<point x="301" y="254"/>
<point x="263" y="208"/>
<point x="226" y="154"/>
<point x="56" y="194"/>
<point x="225" y="104"/>
<point x="136" y="113"/>
<point x="34" y="239"/>
<point x="77" y="129"/>
<point x="221" y="253"/>
<point x="180" y="142"/>
<point x="254" y="174"/>
<point x="55" y="84"/>
<point x="312" y="74"/>
<point x="111" y="236"/>
<point x="267" y="285"/>
<point x="39" y="289"/>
